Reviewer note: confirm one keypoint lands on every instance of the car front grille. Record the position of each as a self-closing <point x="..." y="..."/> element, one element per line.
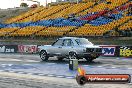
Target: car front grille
<point x="98" y="49"/>
<point x="90" y="50"/>
<point x="93" y="50"/>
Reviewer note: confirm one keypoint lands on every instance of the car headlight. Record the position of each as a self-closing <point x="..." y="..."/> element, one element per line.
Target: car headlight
<point x="84" y="50"/>
<point x="38" y="49"/>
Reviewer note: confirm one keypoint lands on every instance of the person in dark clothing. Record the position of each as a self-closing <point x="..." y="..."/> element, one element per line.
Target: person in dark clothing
<point x="130" y="9"/>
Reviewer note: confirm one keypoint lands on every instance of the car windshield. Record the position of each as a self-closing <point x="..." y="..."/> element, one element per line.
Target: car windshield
<point x="58" y="43"/>
<point x="83" y="41"/>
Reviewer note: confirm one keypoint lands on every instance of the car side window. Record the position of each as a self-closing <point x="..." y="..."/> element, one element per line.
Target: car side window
<point x="78" y="41"/>
<point x="68" y="42"/>
<point x="58" y="42"/>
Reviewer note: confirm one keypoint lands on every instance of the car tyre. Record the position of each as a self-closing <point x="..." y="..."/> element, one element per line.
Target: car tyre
<point x="81" y="80"/>
<point x="44" y="56"/>
<point x="72" y="55"/>
<point x="60" y="58"/>
<point x="89" y="59"/>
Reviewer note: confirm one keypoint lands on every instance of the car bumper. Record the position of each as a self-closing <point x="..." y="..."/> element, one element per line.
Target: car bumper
<point x="95" y="54"/>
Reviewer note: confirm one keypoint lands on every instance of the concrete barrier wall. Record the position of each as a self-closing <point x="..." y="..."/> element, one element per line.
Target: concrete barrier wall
<point x="125" y="51"/>
<point x="117" y="51"/>
<point x="27" y="48"/>
<point x="8" y="48"/>
<point x="107" y="50"/>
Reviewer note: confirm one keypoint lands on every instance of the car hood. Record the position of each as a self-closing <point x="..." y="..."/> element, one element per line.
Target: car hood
<point x="44" y="46"/>
<point x="47" y="45"/>
<point x="91" y="46"/>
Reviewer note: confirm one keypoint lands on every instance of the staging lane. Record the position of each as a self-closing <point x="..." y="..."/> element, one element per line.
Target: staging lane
<point x="32" y="65"/>
<point x="17" y="63"/>
<point x="101" y="61"/>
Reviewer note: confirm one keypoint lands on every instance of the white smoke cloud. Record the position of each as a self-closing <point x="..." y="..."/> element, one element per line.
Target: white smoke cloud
<point x="4" y="4"/>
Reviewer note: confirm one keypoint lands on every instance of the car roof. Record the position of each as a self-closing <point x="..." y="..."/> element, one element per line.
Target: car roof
<point x="69" y="38"/>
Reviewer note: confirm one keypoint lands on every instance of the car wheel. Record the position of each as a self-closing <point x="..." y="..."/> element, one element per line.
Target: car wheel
<point x="81" y="80"/>
<point x="89" y="59"/>
<point x="60" y="58"/>
<point x="43" y="55"/>
<point x="72" y="55"/>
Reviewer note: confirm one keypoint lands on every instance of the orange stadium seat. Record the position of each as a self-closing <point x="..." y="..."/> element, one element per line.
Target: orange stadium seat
<point x="54" y="31"/>
<point x="25" y="15"/>
<point x="89" y="30"/>
<point x="63" y="12"/>
<point x="126" y="26"/>
<point x="47" y="12"/>
<point x="73" y="9"/>
<point x="27" y="31"/>
<point x="6" y="31"/>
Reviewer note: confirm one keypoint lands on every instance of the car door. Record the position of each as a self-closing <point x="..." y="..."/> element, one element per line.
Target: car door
<point x="68" y="45"/>
<point x="57" y="47"/>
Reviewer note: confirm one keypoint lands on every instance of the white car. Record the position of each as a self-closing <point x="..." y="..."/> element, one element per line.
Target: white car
<point x="67" y="47"/>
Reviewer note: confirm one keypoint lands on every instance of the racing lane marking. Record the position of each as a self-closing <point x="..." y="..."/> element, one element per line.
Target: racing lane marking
<point x="1" y="70"/>
<point x="21" y="72"/>
<point x="31" y="61"/>
<point x="51" y="75"/>
<point x="99" y="66"/>
<point x="130" y="83"/>
<point x="90" y="66"/>
<point x="60" y="76"/>
<point x="12" y="71"/>
<point x="51" y="63"/>
<point x="11" y="59"/>
<point x="85" y="65"/>
<point x="41" y="74"/>
<point x="30" y="73"/>
<point x="70" y="77"/>
<point x="113" y="67"/>
<point x="129" y="68"/>
<point x="104" y="67"/>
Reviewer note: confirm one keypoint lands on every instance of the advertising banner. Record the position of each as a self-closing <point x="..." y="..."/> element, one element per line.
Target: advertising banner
<point x="8" y="48"/>
<point x="125" y="51"/>
<point x="108" y="50"/>
<point x="27" y="48"/>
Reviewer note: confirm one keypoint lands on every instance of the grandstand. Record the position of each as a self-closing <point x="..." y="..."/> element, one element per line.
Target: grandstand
<point x="71" y="19"/>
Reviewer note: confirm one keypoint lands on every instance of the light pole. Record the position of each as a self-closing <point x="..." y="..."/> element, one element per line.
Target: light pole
<point x="77" y="1"/>
<point x="35" y="1"/>
<point x="46" y="3"/>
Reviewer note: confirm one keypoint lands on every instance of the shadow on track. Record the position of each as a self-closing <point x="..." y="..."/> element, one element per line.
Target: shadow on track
<point x="80" y="62"/>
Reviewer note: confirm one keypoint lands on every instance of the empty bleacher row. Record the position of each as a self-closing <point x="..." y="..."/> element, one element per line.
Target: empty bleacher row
<point x="84" y="20"/>
<point x="55" y="23"/>
<point x="72" y="10"/>
<point x="35" y="30"/>
<point x="126" y="26"/>
<point x="89" y="30"/>
<point x="58" y="11"/>
<point x="27" y="31"/>
<point x="100" y="20"/>
<point x="25" y="15"/>
<point x="105" y="19"/>
<point x="2" y="25"/>
<point x="37" y="14"/>
<point x="54" y="31"/>
<point x="6" y="31"/>
<point x="104" y="6"/>
<point x="51" y="10"/>
<point x="93" y="15"/>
